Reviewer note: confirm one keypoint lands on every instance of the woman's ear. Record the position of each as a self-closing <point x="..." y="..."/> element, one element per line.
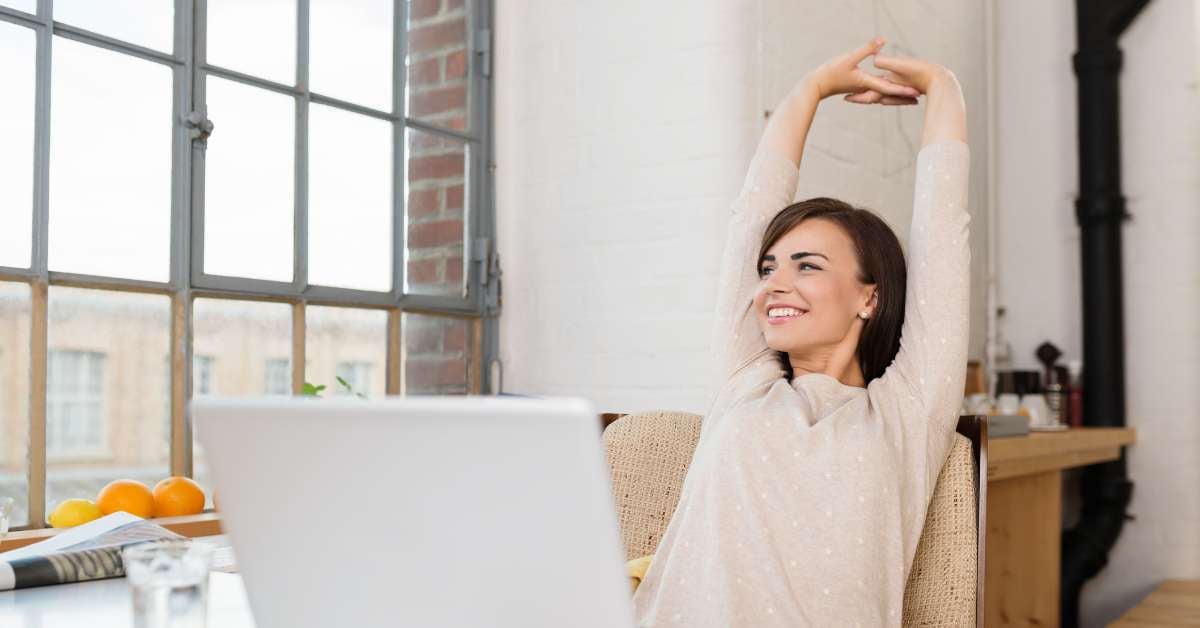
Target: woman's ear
<point x="872" y="301"/>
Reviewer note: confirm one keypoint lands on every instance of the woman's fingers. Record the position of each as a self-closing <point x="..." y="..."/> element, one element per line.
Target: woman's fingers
<point x="909" y="71"/>
<point x="895" y="78"/>
<point x="868" y="97"/>
<point x="871" y="97"/>
<point x="862" y="52"/>
<point x="888" y="88"/>
<point x="899" y="65"/>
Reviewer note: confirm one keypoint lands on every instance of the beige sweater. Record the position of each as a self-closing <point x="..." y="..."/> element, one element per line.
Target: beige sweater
<point x="805" y="500"/>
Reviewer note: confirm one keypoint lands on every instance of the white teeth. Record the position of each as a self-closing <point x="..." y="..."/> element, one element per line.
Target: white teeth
<point x="777" y="312"/>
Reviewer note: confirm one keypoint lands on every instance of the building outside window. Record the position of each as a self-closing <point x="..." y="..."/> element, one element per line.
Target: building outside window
<point x="357" y="375"/>
<point x="75" y="404"/>
<point x="202" y="375"/>
<point x="278" y="377"/>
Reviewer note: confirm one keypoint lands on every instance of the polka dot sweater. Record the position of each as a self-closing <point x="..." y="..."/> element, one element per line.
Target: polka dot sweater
<point x="805" y="499"/>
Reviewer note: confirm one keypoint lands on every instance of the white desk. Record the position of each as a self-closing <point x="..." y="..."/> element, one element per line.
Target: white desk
<point x="107" y="604"/>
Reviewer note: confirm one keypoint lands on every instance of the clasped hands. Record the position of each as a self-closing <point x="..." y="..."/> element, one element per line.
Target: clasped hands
<point x="901" y="82"/>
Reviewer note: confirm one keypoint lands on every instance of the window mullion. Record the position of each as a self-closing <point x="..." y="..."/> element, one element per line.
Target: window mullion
<point x="37" y="404"/>
<point x="483" y="219"/>
<point x="180" y="432"/>
<point x="395" y="353"/>
<point x="300" y="227"/>
<point x="399" y="185"/>
<point x="196" y="149"/>
<point x="36" y="479"/>
<point x="299" y="330"/>
<point x="41" y="166"/>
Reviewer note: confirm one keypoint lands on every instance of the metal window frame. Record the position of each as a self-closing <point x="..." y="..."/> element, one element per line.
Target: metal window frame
<point x="479" y="298"/>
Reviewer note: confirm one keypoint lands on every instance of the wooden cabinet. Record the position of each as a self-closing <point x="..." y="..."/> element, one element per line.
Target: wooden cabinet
<point x="1024" y="518"/>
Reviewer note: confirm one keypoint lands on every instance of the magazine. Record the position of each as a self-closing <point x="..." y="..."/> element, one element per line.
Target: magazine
<point x="86" y="552"/>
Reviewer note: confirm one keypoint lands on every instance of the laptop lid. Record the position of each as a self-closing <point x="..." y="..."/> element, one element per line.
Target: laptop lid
<point x="418" y="511"/>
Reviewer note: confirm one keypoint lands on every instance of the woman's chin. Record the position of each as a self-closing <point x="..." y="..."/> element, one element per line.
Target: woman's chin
<point x="781" y="344"/>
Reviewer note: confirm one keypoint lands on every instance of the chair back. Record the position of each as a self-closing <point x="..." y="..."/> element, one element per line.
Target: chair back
<point x="649" y="453"/>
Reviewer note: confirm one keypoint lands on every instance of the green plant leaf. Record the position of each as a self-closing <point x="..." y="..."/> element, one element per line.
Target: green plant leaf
<point x="311" y="390"/>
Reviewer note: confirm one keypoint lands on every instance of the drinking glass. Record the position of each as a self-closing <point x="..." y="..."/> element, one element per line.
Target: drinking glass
<point x="7" y="504"/>
<point x="169" y="583"/>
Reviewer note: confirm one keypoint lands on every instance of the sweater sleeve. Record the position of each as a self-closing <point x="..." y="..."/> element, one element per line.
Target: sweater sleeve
<point x="770" y="186"/>
<point x="929" y="371"/>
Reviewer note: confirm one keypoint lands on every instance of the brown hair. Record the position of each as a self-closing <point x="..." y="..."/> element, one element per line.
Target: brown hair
<point x="880" y="262"/>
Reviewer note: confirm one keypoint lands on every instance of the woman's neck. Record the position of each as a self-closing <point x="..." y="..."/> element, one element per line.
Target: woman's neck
<point x="851" y="375"/>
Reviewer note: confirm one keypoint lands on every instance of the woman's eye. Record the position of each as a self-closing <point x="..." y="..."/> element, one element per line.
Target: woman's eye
<point x="764" y="271"/>
<point x="804" y="265"/>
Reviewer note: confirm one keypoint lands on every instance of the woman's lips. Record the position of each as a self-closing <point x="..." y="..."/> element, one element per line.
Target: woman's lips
<point x="783" y="320"/>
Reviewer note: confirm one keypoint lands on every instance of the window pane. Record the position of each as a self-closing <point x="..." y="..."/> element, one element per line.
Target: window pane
<point x="146" y="23"/>
<point x="17" y="45"/>
<point x="236" y="343"/>
<point x="110" y="163"/>
<point x="436" y="353"/>
<point x="352" y="34"/>
<point x="254" y="37"/>
<point x="106" y="386"/>
<point x="438" y="63"/>
<point x="28" y="6"/>
<point x="249" y="190"/>
<point x="437" y="187"/>
<point x="14" y="397"/>
<point x="348" y="343"/>
<point x="350" y="197"/>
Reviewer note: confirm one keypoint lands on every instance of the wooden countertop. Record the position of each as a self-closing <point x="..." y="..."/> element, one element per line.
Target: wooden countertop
<point x="1174" y="603"/>
<point x="1039" y="452"/>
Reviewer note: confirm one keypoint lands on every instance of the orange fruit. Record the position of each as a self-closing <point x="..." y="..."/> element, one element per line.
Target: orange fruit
<point x="178" y="495"/>
<point x="130" y="496"/>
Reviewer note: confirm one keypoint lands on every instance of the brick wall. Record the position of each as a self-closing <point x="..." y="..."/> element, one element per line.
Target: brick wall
<point x="438" y="93"/>
<point x="436" y="354"/>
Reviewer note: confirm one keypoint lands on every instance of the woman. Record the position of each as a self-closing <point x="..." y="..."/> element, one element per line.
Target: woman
<point x="842" y="377"/>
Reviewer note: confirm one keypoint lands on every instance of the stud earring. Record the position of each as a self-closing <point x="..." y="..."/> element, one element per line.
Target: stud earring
<point x="863" y="314"/>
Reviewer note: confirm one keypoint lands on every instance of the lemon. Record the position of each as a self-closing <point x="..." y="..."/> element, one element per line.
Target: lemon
<point x="73" y="512"/>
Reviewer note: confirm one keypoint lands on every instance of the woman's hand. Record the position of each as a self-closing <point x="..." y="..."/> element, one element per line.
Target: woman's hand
<point x="841" y="75"/>
<point x="945" y="107"/>
<point x="916" y="73"/>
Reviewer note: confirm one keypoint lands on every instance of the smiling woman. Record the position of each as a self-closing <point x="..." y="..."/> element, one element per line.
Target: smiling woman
<point x="861" y="272"/>
<point x="807" y="492"/>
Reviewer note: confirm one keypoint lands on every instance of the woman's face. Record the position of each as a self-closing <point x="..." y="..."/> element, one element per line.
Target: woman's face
<point x="810" y="293"/>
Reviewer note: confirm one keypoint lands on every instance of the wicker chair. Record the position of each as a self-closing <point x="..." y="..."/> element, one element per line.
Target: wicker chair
<point x="649" y="453"/>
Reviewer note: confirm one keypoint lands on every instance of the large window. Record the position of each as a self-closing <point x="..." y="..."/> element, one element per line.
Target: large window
<point x="267" y="192"/>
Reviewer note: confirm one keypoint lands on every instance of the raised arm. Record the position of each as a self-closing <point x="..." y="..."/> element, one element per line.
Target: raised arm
<point x="930" y="367"/>
<point x="770" y="186"/>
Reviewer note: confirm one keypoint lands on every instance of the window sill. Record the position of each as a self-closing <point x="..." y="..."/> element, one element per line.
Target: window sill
<point x="203" y="524"/>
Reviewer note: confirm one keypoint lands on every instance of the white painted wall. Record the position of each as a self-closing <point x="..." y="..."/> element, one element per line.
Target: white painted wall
<point x="623" y="130"/>
<point x="1038" y="255"/>
<point x="623" y="133"/>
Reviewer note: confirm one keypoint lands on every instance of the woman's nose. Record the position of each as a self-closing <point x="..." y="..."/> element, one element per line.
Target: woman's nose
<point x="776" y="282"/>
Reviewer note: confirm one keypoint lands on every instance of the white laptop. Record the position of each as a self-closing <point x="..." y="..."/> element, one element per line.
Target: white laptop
<point x="418" y="511"/>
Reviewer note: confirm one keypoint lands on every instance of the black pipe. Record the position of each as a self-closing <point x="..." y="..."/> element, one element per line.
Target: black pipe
<point x="1099" y="210"/>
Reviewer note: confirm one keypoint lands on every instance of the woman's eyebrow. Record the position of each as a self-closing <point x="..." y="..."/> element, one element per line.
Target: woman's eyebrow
<point x="802" y="254"/>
